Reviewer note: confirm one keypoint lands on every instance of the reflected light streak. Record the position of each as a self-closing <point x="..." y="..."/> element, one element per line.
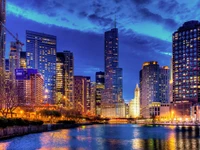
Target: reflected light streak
<point x="137" y="143"/>
<point x="4" y="145"/>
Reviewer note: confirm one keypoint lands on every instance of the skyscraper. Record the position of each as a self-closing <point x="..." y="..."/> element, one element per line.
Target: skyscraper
<point x="164" y="84"/>
<point x="100" y="81"/>
<point x="14" y="58"/>
<point x="7" y="69"/>
<point x="154" y="86"/>
<point x="64" y="77"/>
<point x="113" y="74"/>
<point x="2" y="33"/>
<point x="93" y="98"/>
<point x="23" y="59"/>
<point x="186" y="67"/>
<point x="134" y="105"/>
<point x="88" y="95"/>
<point x="30" y="87"/>
<point x="80" y="93"/>
<point x="41" y="55"/>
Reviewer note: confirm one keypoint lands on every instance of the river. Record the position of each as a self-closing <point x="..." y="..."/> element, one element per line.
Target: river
<point x="109" y="137"/>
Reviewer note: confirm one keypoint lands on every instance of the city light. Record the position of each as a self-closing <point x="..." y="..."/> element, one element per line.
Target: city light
<point x="75" y="64"/>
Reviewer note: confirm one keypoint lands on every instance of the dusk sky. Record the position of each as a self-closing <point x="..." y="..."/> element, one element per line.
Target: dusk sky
<point x="145" y="30"/>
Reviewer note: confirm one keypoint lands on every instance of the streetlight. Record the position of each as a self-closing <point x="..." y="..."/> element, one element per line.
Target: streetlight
<point x="21" y="113"/>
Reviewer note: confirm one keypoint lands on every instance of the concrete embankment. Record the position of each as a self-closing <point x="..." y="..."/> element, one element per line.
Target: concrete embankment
<point x="14" y="131"/>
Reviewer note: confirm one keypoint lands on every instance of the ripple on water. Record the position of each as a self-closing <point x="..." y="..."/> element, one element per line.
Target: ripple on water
<point x="108" y="137"/>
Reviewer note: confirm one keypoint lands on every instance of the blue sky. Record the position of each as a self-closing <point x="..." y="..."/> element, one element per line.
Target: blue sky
<point x="145" y="29"/>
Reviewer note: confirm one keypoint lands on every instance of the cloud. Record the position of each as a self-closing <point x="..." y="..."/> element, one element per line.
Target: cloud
<point x="145" y="29"/>
<point x="100" y="20"/>
<point x="166" y="22"/>
<point x="141" y="2"/>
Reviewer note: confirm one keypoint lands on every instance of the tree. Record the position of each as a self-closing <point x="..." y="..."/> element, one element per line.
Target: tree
<point x="8" y="96"/>
<point x="51" y="113"/>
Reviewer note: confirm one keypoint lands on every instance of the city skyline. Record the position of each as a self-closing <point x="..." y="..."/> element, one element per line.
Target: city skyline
<point x="77" y="39"/>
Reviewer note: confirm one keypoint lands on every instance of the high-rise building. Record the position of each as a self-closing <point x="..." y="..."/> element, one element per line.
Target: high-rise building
<point x="171" y="82"/>
<point x="93" y="98"/>
<point x="154" y="86"/>
<point x="65" y="77"/>
<point x="23" y="59"/>
<point x="88" y="95"/>
<point x="134" y="105"/>
<point x="2" y="33"/>
<point x="100" y="81"/>
<point x="113" y="74"/>
<point x="7" y="69"/>
<point x="164" y="84"/>
<point x="82" y="94"/>
<point x="186" y="68"/>
<point x="14" y="58"/>
<point x="30" y="87"/>
<point x="41" y="55"/>
<point x="7" y="65"/>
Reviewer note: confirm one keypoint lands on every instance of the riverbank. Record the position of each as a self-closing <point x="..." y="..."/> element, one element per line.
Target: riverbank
<point x="177" y="124"/>
<point x="14" y="131"/>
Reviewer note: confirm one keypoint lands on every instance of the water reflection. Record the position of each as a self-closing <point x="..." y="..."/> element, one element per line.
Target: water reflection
<point x="108" y="137"/>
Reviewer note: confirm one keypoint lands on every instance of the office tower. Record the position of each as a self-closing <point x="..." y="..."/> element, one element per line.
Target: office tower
<point x="14" y="58"/>
<point x="93" y="99"/>
<point x="41" y="55"/>
<point x="100" y="85"/>
<point x="134" y="105"/>
<point x="171" y="82"/>
<point x="82" y="94"/>
<point x="113" y="86"/>
<point x="7" y="69"/>
<point x="7" y="65"/>
<point x="186" y="66"/>
<point x="30" y="87"/>
<point x="164" y="84"/>
<point x="119" y="85"/>
<point x="154" y="86"/>
<point x="2" y="34"/>
<point x="23" y="59"/>
<point x="88" y="95"/>
<point x="64" y="77"/>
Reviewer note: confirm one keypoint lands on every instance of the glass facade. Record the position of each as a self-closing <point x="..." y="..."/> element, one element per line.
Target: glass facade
<point x="41" y="55"/>
<point x="113" y="74"/>
<point x="100" y="81"/>
<point x="64" y="77"/>
<point x="154" y="86"/>
<point x="186" y="66"/>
